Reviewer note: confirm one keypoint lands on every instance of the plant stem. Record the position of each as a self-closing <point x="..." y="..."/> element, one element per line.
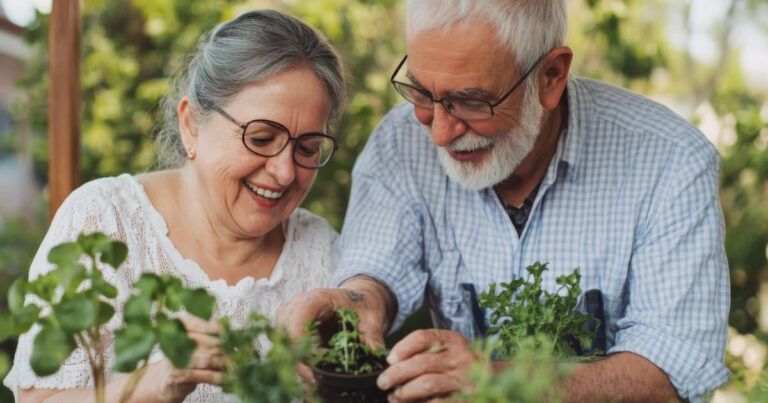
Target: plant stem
<point x="129" y="388"/>
<point x="346" y="343"/>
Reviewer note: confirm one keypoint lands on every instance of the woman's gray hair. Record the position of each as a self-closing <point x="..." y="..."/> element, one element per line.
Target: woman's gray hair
<point x="247" y="49"/>
<point x="527" y="28"/>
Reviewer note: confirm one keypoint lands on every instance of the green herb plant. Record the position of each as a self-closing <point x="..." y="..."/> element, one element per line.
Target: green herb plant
<point x="522" y="309"/>
<point x="255" y="376"/>
<point x="72" y="302"/>
<point x="530" y="330"/>
<point x="346" y="353"/>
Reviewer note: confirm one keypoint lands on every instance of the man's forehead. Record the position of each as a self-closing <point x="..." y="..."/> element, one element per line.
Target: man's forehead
<point x="462" y="49"/>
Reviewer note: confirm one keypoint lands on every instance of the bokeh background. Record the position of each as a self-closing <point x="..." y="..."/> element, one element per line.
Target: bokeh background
<point x="705" y="59"/>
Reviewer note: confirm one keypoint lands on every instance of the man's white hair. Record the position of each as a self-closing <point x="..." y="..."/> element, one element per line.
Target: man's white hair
<point x="527" y="28"/>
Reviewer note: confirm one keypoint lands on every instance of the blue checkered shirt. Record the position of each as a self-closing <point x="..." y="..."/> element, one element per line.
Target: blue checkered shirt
<point x="630" y="197"/>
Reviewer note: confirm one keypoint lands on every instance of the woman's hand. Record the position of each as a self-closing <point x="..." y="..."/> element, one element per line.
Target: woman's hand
<point x="162" y="382"/>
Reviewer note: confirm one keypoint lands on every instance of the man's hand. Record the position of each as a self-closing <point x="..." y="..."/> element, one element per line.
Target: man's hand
<point x="375" y="305"/>
<point x="426" y="364"/>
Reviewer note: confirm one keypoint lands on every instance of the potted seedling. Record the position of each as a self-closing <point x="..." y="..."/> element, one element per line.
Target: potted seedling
<point x="73" y="302"/>
<point x="345" y="368"/>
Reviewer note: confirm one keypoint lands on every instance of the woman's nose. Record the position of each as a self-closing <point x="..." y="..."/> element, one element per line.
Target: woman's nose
<point x="281" y="166"/>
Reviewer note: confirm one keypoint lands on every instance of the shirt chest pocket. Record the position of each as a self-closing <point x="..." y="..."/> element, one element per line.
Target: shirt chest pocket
<point x="451" y="307"/>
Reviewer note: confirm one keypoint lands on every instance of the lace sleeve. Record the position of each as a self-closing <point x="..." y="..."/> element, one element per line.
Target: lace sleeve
<point x="85" y="210"/>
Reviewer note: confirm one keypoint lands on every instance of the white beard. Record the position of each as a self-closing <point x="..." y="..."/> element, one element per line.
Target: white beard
<point x="506" y="151"/>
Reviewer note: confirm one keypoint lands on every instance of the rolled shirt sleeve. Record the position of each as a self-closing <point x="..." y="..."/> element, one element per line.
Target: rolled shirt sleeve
<point x="383" y="230"/>
<point x="678" y="285"/>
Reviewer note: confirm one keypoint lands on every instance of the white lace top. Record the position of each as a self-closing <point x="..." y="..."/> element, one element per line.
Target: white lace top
<point x="120" y="208"/>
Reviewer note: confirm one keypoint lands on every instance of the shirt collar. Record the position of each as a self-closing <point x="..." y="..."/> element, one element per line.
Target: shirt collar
<point x="567" y="159"/>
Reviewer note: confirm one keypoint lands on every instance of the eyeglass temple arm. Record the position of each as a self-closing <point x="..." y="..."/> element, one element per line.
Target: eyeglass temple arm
<point x="519" y="81"/>
<point x="226" y="115"/>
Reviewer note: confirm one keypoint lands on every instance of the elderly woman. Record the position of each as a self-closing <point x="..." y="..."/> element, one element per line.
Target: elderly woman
<point x="246" y="131"/>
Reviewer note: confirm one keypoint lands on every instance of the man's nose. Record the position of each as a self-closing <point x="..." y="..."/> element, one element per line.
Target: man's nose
<point x="445" y="127"/>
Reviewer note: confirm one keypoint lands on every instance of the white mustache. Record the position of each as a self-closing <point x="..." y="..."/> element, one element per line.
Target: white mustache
<point x="470" y="141"/>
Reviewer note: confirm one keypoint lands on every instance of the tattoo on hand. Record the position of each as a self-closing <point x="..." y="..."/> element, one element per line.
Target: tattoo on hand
<point x="355" y="297"/>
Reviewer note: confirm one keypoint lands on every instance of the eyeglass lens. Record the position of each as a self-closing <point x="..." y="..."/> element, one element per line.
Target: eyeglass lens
<point x="311" y="150"/>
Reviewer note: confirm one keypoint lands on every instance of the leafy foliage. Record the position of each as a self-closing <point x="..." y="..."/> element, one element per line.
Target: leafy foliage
<point x="533" y="377"/>
<point x="78" y="302"/>
<point x="522" y="310"/>
<point x="148" y="320"/>
<point x="255" y="376"/>
<point x="346" y="352"/>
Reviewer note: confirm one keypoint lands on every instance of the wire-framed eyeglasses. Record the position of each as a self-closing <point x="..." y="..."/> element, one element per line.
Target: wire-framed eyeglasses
<point x="267" y="138"/>
<point x="460" y="107"/>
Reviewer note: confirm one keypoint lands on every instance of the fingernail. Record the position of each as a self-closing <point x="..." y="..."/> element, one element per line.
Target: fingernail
<point x="383" y="382"/>
<point x="392" y="358"/>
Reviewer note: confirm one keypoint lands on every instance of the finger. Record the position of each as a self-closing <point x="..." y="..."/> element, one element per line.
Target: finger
<point x="315" y="305"/>
<point x="201" y="376"/>
<point x="305" y="373"/>
<point x="407" y="370"/>
<point x="194" y="324"/>
<point x="204" y="340"/>
<point x="425" y="387"/>
<point x="206" y="359"/>
<point x="420" y="341"/>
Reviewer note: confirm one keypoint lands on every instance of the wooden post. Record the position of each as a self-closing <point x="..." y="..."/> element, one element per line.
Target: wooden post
<point x="63" y="102"/>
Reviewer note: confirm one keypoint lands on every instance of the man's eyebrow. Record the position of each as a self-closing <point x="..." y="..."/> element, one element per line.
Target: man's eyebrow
<point x="473" y="93"/>
<point x="413" y="79"/>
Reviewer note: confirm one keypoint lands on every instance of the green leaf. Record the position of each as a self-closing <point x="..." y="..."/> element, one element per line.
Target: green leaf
<point x="51" y="347"/>
<point x="93" y="242"/>
<point x="75" y="313"/>
<point x="44" y="286"/>
<point x="7" y="326"/>
<point x="70" y="277"/>
<point x="174" y="296"/>
<point x="148" y="284"/>
<point x="113" y="253"/>
<point x="101" y="286"/>
<point x="25" y="317"/>
<point x="16" y="294"/>
<point x="199" y="303"/>
<point x="174" y="342"/>
<point x="106" y="311"/>
<point x="66" y="254"/>
<point x="132" y="344"/>
<point x="138" y="309"/>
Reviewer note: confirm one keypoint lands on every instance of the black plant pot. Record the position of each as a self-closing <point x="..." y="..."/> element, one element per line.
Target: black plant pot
<point x="334" y="387"/>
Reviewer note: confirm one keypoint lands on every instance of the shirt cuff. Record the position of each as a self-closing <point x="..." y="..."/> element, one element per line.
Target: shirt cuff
<point x="691" y="371"/>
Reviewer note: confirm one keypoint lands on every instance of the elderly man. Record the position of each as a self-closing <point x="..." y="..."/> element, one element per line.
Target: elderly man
<point x="501" y="159"/>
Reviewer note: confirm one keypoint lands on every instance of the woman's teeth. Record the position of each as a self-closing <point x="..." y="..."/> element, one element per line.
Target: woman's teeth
<point x="267" y="194"/>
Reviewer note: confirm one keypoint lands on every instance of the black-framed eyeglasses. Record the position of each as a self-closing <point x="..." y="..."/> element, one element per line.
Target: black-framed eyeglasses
<point x="268" y="138"/>
<point x="462" y="108"/>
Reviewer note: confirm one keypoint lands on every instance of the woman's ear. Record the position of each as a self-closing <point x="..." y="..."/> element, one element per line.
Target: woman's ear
<point x="553" y="76"/>
<point x="188" y="126"/>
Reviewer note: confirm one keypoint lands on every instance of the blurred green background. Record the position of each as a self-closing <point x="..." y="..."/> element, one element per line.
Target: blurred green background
<point x="706" y="60"/>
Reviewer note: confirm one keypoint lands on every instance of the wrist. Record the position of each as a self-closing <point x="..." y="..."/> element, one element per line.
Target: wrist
<point x="367" y="294"/>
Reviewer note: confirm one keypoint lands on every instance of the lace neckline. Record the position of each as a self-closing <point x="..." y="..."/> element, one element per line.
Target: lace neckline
<point x="191" y="268"/>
